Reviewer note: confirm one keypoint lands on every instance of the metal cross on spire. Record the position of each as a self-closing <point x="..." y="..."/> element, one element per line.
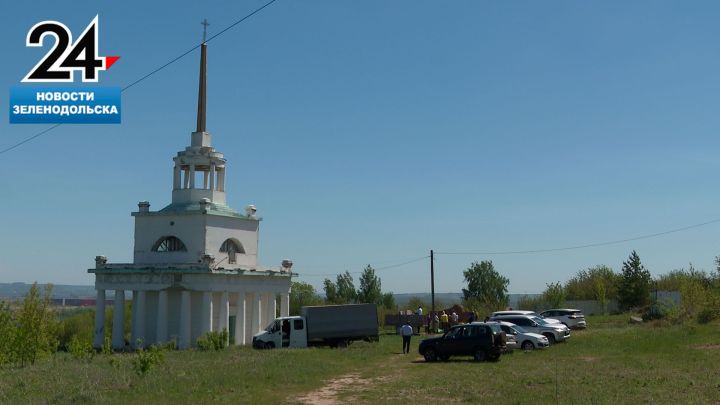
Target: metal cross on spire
<point x="205" y="24"/>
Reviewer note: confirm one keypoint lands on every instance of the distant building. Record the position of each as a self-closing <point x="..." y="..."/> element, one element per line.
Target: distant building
<point x="195" y="261"/>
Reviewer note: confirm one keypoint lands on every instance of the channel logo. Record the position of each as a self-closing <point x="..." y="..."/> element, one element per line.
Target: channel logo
<point x="64" y="60"/>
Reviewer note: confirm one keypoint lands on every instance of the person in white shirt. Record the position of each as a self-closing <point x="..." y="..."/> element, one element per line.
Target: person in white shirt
<point x="406" y="331"/>
<point x="419" y="311"/>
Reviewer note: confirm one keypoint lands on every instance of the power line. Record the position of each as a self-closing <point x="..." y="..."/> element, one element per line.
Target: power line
<point x="589" y="245"/>
<point x="26" y="140"/>
<point x="46" y="130"/>
<point x="184" y="54"/>
<point x="417" y="259"/>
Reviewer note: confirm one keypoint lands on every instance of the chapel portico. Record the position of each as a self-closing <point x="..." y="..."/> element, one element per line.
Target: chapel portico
<point x="194" y="264"/>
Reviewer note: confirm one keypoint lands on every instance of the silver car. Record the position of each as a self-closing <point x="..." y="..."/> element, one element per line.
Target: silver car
<point x="521" y="312"/>
<point x="524" y="339"/>
<point x="554" y="332"/>
<point x="573" y="318"/>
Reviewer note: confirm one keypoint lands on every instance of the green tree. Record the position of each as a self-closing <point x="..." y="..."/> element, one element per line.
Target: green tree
<point x="388" y="301"/>
<point x="342" y="291"/>
<point x="6" y="334"/>
<point x="346" y="288"/>
<point x="370" y="290"/>
<point x="695" y="287"/>
<point x="554" y="295"/>
<point x="486" y="288"/>
<point x="331" y="293"/>
<point x="596" y="283"/>
<point x="675" y="279"/>
<point x="302" y="294"/>
<point x="35" y="333"/>
<point x="634" y="289"/>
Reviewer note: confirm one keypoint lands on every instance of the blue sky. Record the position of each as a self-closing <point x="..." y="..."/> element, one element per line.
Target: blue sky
<point x="374" y="131"/>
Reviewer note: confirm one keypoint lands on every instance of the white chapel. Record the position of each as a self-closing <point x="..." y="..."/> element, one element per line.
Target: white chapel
<point x="195" y="261"/>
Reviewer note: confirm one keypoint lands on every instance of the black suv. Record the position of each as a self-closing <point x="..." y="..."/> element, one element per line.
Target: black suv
<point x="480" y="340"/>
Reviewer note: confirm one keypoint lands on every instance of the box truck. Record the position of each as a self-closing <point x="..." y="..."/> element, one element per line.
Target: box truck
<point x="331" y="325"/>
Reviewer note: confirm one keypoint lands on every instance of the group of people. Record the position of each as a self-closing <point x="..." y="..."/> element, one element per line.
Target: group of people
<point x="441" y="320"/>
<point x="436" y="322"/>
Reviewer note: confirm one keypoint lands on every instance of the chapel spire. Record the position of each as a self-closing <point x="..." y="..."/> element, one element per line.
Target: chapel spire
<point x="199" y="172"/>
<point x="202" y="97"/>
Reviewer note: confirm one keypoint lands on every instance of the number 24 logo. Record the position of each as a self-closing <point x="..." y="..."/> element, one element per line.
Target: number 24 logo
<point x="61" y="62"/>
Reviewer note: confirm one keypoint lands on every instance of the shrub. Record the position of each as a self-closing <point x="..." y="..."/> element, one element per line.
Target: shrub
<point x="170" y="345"/>
<point x="78" y="324"/>
<point x="707" y="315"/>
<point x="81" y="349"/>
<point x="145" y="360"/>
<point x="35" y="331"/>
<point x="213" y="340"/>
<point x="530" y="303"/>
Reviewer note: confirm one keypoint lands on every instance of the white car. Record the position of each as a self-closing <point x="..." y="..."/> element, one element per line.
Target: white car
<point x="520" y="312"/>
<point x="524" y="339"/>
<point x="555" y="332"/>
<point x="573" y="318"/>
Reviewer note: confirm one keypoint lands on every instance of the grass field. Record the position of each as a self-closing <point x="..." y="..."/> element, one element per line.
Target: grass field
<point x="612" y="362"/>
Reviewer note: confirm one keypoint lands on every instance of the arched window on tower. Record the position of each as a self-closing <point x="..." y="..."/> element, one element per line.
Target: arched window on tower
<point x="232" y="247"/>
<point x="169" y="244"/>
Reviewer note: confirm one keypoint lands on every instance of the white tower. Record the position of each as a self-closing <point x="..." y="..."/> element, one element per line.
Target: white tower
<point x="195" y="261"/>
<point x="197" y="225"/>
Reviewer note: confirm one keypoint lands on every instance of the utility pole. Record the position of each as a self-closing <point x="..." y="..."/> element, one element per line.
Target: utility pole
<point x="432" y="284"/>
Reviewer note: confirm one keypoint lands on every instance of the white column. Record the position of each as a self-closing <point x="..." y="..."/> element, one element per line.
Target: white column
<point x="224" y="311"/>
<point x="207" y="310"/>
<point x="256" y="313"/>
<point x="139" y="313"/>
<point x="133" y="318"/>
<point x="176" y="177"/>
<point x="184" y="338"/>
<point x="224" y="314"/>
<point x="192" y="176"/>
<point x="240" y="319"/>
<point x="205" y="180"/>
<point x="162" y="321"/>
<point x="118" y="331"/>
<point x="221" y="179"/>
<point x="272" y="307"/>
<point x="285" y="304"/>
<point x="186" y="182"/>
<point x="99" y="320"/>
<point x="212" y="176"/>
<point x="263" y="310"/>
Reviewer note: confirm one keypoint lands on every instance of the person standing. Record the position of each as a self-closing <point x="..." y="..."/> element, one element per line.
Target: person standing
<point x="419" y="310"/>
<point x="454" y="317"/>
<point x="444" y="321"/>
<point x="407" y="332"/>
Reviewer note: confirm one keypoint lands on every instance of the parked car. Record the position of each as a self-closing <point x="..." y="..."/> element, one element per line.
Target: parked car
<point x="524" y="339"/>
<point x="520" y="312"/>
<point x="511" y="343"/>
<point x="554" y="332"/>
<point x="478" y="339"/>
<point x="572" y="318"/>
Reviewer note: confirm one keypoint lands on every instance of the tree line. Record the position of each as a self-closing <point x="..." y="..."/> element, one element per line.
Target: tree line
<point x="342" y="291"/>
<point x="486" y="289"/>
